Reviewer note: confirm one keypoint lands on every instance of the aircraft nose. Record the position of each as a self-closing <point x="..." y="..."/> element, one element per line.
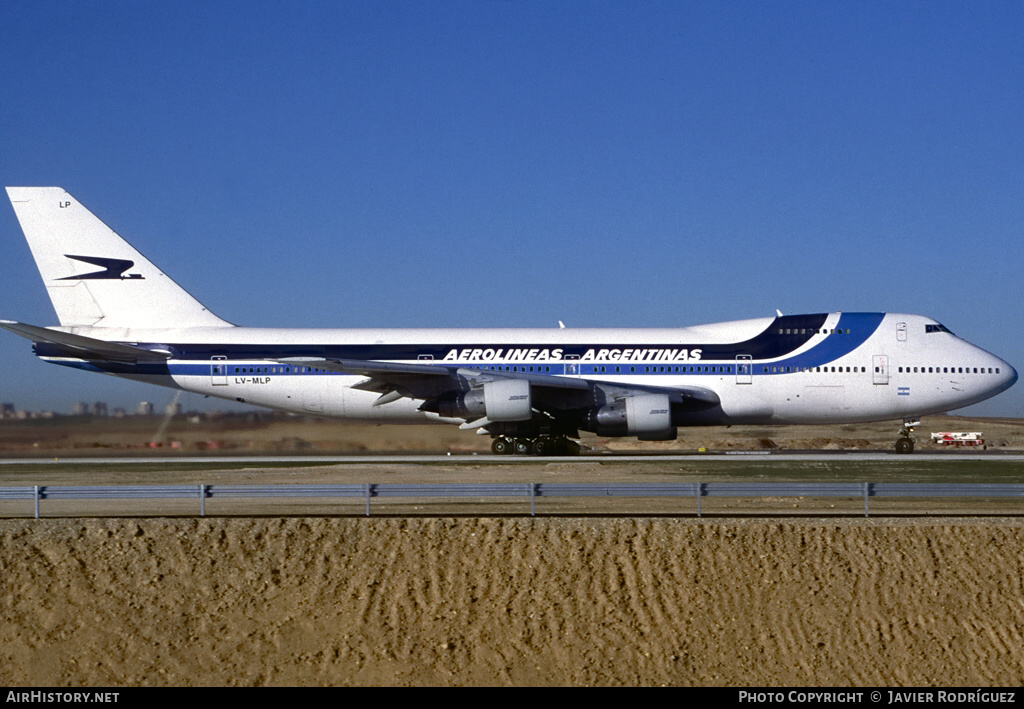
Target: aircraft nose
<point x="1008" y="375"/>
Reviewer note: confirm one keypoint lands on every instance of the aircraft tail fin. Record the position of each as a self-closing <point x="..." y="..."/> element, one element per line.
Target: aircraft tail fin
<point x="93" y="276"/>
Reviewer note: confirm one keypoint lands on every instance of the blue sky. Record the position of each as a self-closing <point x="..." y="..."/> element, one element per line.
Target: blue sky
<point x="460" y="164"/>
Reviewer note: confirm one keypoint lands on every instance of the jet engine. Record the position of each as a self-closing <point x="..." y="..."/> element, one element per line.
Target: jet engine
<point x="500" y="400"/>
<point x="646" y="416"/>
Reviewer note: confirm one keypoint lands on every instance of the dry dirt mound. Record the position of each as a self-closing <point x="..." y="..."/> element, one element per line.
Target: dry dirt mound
<point x="509" y="601"/>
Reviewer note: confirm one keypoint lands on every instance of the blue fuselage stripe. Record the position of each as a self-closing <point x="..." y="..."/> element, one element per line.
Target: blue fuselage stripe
<point x="784" y="336"/>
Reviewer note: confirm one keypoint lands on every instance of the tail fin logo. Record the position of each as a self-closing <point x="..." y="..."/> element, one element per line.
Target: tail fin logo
<point x="113" y="268"/>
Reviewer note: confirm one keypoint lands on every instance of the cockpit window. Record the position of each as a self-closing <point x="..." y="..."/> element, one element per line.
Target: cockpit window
<point x="936" y="328"/>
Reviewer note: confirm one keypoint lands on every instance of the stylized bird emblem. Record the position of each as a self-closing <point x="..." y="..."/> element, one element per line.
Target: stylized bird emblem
<point x="112" y="268"/>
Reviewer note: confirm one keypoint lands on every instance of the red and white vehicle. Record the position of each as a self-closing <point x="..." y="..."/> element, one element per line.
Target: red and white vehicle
<point x="958" y="438"/>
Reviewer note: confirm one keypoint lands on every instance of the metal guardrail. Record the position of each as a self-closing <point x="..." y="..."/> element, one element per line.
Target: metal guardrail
<point x="370" y="491"/>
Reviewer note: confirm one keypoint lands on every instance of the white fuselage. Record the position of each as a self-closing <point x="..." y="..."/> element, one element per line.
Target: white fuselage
<point x="851" y="367"/>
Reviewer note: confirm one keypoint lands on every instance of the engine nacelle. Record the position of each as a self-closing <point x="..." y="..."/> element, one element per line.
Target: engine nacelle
<point x="508" y="400"/>
<point x="646" y="416"/>
<point x="501" y="400"/>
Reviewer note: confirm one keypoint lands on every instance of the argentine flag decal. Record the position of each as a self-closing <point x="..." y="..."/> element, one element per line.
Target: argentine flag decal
<point x="903" y="391"/>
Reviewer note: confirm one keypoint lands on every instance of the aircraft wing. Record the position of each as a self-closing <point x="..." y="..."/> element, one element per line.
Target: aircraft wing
<point x="426" y="380"/>
<point x="382" y="374"/>
<point x="367" y="368"/>
<point x="85" y="347"/>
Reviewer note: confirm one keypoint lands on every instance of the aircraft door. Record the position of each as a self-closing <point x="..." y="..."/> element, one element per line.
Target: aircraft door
<point x="880" y="367"/>
<point x="218" y="371"/>
<point x="744" y="369"/>
<point x="572" y="365"/>
<point x="312" y="398"/>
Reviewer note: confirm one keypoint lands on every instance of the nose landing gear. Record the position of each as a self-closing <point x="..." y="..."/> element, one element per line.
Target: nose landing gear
<point x="905" y="443"/>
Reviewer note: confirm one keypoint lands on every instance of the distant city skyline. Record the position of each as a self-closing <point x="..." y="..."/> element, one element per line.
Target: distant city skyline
<point x="10" y="410"/>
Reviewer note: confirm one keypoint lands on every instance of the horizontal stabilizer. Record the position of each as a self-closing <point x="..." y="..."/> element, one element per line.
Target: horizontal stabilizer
<point x="85" y="347"/>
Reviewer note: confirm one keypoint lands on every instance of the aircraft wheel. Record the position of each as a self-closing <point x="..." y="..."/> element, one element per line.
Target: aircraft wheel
<point x="904" y="445"/>
<point x="522" y="446"/>
<point x="544" y="446"/>
<point x="501" y="446"/>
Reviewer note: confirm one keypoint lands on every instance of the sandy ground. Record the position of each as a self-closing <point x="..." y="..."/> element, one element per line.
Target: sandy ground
<point x="518" y="601"/>
<point x="485" y="600"/>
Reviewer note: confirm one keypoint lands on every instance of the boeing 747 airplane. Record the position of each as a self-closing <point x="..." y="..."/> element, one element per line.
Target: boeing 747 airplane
<point x="531" y="390"/>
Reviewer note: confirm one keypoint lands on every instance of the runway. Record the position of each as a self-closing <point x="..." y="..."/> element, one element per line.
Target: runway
<point x="485" y="459"/>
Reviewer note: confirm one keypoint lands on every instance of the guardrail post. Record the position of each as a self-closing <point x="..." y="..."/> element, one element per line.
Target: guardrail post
<point x="202" y="500"/>
<point x="866" y="495"/>
<point x="37" y="500"/>
<point x="700" y="491"/>
<point x="368" y="499"/>
<point x="533" y="498"/>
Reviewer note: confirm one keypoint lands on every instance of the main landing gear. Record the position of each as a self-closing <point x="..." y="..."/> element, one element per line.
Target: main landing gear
<point x="905" y="443"/>
<point x="542" y="445"/>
